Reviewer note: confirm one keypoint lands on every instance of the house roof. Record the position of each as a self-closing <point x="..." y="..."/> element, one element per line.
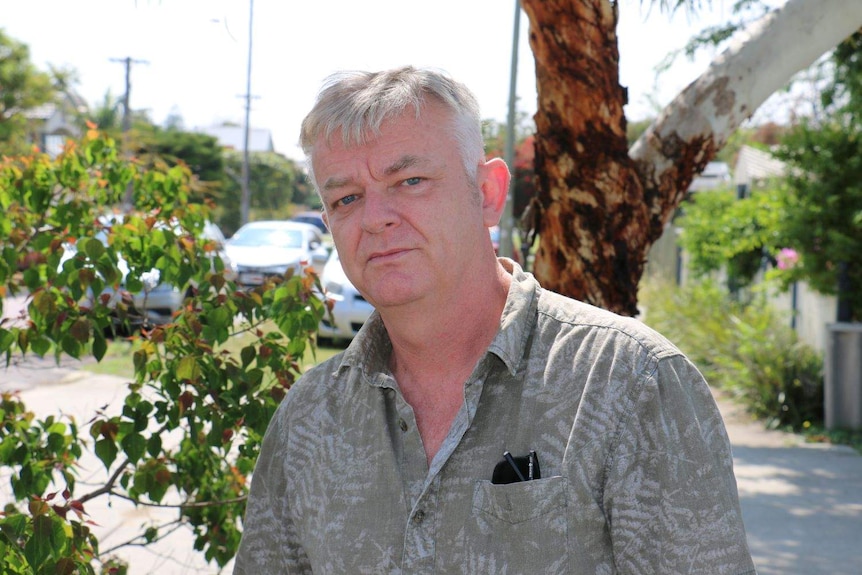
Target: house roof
<point x="259" y="139"/>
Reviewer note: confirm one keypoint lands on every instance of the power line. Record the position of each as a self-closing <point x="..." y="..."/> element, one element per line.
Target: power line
<point x="127" y="115"/>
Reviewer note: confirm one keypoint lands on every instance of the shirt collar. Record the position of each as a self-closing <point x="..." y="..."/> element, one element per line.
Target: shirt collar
<point x="518" y="319"/>
<point x="371" y="348"/>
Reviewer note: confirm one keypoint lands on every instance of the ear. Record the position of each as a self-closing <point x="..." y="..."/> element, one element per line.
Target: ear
<point x="325" y="217"/>
<point x="493" y="179"/>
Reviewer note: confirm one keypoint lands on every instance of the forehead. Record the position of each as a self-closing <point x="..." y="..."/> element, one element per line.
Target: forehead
<point x="400" y="136"/>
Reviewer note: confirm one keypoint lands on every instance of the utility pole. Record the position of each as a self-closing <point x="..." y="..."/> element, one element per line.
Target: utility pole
<point x="507" y="221"/>
<point x="127" y="112"/>
<point x="245" y="201"/>
<point x="127" y="117"/>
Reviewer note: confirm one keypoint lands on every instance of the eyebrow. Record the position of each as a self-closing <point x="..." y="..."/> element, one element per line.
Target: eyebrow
<point x="401" y="163"/>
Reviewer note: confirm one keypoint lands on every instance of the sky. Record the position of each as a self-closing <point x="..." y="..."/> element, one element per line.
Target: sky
<point x="191" y="56"/>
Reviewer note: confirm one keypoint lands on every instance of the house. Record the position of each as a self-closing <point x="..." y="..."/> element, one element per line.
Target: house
<point x="714" y="175"/>
<point x="233" y="137"/>
<point x="51" y="124"/>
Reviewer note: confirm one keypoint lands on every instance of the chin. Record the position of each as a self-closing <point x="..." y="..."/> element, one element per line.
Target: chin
<point x="393" y="296"/>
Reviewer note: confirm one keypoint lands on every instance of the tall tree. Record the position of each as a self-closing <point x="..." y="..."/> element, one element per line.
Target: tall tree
<point x="22" y="88"/>
<point x="600" y="204"/>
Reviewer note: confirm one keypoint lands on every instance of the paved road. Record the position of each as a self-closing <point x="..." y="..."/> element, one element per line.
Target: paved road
<point x="802" y="503"/>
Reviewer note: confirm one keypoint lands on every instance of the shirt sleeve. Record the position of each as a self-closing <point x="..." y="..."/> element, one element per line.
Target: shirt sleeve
<point x="670" y="493"/>
<point x="269" y="542"/>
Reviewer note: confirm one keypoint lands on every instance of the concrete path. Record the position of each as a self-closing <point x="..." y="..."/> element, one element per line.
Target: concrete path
<point x="802" y="503"/>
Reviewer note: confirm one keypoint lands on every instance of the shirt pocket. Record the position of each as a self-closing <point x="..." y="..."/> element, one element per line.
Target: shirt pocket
<point x="522" y="526"/>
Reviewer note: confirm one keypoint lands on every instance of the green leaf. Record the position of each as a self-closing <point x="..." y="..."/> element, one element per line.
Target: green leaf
<point x="100" y="345"/>
<point x="92" y="247"/>
<point x="48" y="540"/>
<point x="154" y="445"/>
<point x="140" y="360"/>
<point x="106" y="450"/>
<point x="188" y="369"/>
<point x="7" y="338"/>
<point x="56" y="442"/>
<point x="134" y="446"/>
<point x="134" y="284"/>
<point x="14" y="526"/>
<point x="40" y="345"/>
<point x="248" y="354"/>
<point x="71" y="346"/>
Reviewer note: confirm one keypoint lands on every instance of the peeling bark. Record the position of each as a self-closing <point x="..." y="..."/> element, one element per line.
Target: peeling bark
<point x="589" y="210"/>
<point x="599" y="206"/>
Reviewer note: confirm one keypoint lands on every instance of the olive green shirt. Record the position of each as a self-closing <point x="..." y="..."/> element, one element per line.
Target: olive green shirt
<point x="636" y="469"/>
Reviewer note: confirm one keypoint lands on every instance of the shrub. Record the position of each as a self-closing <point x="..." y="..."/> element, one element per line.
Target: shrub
<point x="745" y="348"/>
<point x="215" y="404"/>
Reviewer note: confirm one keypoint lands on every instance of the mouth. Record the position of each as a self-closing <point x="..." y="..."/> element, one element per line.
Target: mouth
<point x="387" y="255"/>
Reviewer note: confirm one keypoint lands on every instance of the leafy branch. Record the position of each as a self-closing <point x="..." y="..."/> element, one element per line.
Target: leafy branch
<point x="190" y="424"/>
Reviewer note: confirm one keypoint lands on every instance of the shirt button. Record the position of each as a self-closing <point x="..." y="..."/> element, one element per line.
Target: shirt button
<point x="402" y="424"/>
<point x="419" y="516"/>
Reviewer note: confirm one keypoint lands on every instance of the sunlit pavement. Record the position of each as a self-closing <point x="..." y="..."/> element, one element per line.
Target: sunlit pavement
<point x="802" y="503"/>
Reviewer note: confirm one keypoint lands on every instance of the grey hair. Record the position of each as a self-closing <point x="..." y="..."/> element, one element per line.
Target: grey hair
<point x="357" y="103"/>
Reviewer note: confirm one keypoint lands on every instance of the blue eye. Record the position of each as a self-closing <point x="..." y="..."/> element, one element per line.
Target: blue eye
<point x="413" y="181"/>
<point x="346" y="200"/>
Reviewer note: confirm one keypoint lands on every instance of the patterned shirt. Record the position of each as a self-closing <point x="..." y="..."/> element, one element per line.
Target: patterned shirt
<point x="636" y="469"/>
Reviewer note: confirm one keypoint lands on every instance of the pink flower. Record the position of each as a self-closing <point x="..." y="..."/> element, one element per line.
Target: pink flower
<point x="787" y="258"/>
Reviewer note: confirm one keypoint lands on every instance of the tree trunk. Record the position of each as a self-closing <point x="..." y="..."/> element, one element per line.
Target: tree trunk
<point x="599" y="206"/>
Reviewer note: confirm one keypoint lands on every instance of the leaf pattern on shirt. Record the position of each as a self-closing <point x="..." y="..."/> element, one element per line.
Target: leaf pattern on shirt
<point x="637" y="475"/>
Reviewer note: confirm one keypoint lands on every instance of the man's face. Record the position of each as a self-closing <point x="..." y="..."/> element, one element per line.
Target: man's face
<point x="405" y="218"/>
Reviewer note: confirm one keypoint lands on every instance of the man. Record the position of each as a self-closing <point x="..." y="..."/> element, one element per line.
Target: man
<point x="389" y="458"/>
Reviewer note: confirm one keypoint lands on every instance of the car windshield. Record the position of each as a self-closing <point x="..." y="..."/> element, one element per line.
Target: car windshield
<point x="278" y="237"/>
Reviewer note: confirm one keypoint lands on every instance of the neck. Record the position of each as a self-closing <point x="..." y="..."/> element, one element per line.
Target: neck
<point x="433" y="358"/>
<point x="431" y="338"/>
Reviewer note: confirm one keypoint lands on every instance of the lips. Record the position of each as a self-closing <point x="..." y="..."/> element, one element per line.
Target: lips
<point x="387" y="255"/>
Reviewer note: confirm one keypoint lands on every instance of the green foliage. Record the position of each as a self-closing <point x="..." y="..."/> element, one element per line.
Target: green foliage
<point x="721" y="232"/>
<point x="201" y="153"/>
<point x="824" y="218"/>
<point x="745" y="348"/>
<point x="215" y="403"/>
<point x="815" y="211"/>
<point x="825" y="177"/>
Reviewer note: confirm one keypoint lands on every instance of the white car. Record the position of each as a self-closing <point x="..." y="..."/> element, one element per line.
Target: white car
<point x="349" y="308"/>
<point x="263" y="249"/>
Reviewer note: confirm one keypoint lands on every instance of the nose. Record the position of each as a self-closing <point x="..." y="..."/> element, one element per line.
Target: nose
<point x="378" y="211"/>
